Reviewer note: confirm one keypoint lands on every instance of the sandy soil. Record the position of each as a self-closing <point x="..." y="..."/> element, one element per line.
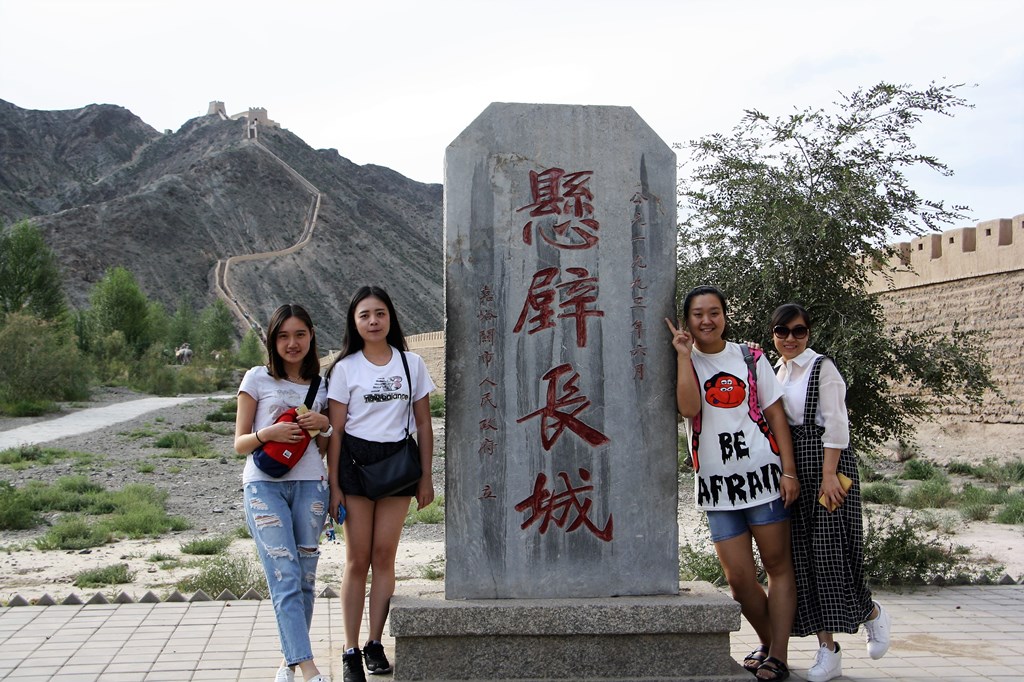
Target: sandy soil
<point x="208" y="491"/>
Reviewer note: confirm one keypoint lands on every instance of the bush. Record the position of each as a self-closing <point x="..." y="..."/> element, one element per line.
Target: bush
<point x="225" y="412"/>
<point x="1013" y="511"/>
<point x="74" y="533"/>
<point x="886" y="492"/>
<point x="15" y="512"/>
<point x="897" y="552"/>
<point x="431" y="514"/>
<point x="934" y="493"/>
<point x="236" y="573"/>
<point x="116" y="574"/>
<point x="437" y="405"/>
<point x="919" y="470"/>
<point x="40" y="364"/>
<point x="185" y="445"/>
<point x="207" y="546"/>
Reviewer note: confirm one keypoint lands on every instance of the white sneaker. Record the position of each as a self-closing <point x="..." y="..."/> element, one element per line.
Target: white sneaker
<point x="828" y="664"/>
<point x="285" y="674"/>
<point x="318" y="678"/>
<point x="878" y="631"/>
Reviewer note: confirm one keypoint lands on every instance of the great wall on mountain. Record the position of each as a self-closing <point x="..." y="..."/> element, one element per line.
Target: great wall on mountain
<point x="971" y="278"/>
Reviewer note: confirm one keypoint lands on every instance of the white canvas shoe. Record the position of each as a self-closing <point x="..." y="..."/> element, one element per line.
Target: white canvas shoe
<point x="878" y="631"/>
<point x="828" y="664"/>
<point x="285" y="674"/>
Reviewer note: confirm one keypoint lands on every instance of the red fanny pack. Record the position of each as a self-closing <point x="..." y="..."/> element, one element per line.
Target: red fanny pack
<point x="277" y="459"/>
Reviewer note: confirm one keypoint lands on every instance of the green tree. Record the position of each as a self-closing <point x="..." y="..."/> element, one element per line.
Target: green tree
<point x="118" y="305"/>
<point x="40" y="364"/>
<point x="251" y="352"/>
<point x="216" y="329"/>
<point x="183" y="323"/>
<point x="802" y="208"/>
<point x="29" y="276"/>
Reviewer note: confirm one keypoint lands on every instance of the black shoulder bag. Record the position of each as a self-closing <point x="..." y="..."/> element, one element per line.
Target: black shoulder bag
<point x="399" y="470"/>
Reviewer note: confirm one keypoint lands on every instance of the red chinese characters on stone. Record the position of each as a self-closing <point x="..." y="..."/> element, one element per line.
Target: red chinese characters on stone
<point x="562" y="195"/>
<point x="578" y="298"/>
<point x="561" y="410"/>
<point x="548" y="507"/>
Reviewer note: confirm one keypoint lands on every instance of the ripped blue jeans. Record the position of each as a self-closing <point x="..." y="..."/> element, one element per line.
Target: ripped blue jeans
<point x="285" y="519"/>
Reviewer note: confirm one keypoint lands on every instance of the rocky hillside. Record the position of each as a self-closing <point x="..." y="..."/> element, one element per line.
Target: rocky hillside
<point x="106" y="189"/>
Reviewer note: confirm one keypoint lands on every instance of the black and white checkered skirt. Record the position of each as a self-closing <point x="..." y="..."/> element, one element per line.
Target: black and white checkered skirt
<point x="828" y="547"/>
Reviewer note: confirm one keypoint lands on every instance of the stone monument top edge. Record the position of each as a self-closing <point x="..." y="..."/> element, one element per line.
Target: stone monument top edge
<point x="487" y="122"/>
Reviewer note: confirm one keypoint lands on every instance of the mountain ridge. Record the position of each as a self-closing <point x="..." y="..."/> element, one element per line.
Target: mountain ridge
<point x="106" y="189"/>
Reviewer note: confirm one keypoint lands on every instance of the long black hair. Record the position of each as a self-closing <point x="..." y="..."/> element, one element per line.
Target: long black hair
<point x="353" y="342"/>
<point x="704" y="290"/>
<point x="310" y="366"/>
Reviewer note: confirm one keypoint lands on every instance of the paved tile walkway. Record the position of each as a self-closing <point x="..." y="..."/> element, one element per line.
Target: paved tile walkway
<point x="965" y="634"/>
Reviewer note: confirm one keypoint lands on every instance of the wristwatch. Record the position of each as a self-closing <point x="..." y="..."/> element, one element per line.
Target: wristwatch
<point x="328" y="432"/>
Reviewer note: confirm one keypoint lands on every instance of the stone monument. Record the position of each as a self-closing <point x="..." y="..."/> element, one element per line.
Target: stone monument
<point x="561" y="447"/>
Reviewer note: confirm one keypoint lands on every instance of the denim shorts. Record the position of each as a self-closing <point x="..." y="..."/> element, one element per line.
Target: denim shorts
<point x="731" y="523"/>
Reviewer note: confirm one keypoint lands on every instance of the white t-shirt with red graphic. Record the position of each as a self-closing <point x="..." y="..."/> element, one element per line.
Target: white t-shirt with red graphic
<point x="736" y="464"/>
<point x="378" y="396"/>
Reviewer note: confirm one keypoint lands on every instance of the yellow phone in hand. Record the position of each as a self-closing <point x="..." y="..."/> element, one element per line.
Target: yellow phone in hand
<point x="844" y="481"/>
<point x="302" y="409"/>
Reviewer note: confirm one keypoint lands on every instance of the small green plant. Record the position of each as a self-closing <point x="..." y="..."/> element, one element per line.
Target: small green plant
<point x="939" y="522"/>
<point x="899" y="552"/>
<point x="185" y="445"/>
<point x="237" y="573"/>
<point x="919" y="470"/>
<point x="884" y="492"/>
<point x="960" y="468"/>
<point x="207" y="546"/>
<point x="139" y="433"/>
<point x="158" y="557"/>
<point x="116" y="574"/>
<point x="73" y="533"/>
<point x="437" y="405"/>
<point x="432" y="513"/>
<point x="868" y="474"/>
<point x="202" y="427"/>
<point x="906" y="450"/>
<point x="1012" y="511"/>
<point x="242" y="532"/>
<point x="434" y="570"/>
<point x="15" y="511"/>
<point x="225" y="412"/>
<point x="145" y="467"/>
<point x="934" y="493"/>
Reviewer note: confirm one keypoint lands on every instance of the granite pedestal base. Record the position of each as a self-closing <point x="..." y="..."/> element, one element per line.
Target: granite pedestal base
<point x="670" y="637"/>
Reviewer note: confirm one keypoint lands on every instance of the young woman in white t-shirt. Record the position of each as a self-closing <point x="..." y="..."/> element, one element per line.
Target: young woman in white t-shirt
<point x="744" y="470"/>
<point x="369" y="406"/>
<point x="285" y="514"/>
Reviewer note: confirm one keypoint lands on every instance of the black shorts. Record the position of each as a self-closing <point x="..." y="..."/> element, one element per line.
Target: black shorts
<point x="365" y="452"/>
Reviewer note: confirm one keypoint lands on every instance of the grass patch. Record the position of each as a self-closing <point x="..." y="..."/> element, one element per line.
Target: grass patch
<point x="869" y="474"/>
<point x="28" y="408"/>
<point x="26" y="456"/>
<point x="226" y="572"/>
<point x="899" y="552"/>
<point x="207" y="546"/>
<point x="434" y="570"/>
<point x="73" y="533"/>
<point x="225" y="412"/>
<point x="437" y="408"/>
<point x="139" y="433"/>
<point x="992" y="471"/>
<point x="1012" y="511"/>
<point x="145" y="467"/>
<point x="158" y="557"/>
<point x="934" y="493"/>
<point x="185" y="445"/>
<point x="884" y="492"/>
<point x="115" y="574"/>
<point x="242" y="532"/>
<point x="433" y="513"/>
<point x="15" y="512"/>
<point x="919" y="470"/>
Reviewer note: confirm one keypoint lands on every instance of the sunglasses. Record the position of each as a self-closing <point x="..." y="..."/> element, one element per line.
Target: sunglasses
<point x="782" y="331"/>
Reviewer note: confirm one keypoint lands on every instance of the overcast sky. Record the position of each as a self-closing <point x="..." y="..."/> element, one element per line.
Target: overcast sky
<point x="393" y="82"/>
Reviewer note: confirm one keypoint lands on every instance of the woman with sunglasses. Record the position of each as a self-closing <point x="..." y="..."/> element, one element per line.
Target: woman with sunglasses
<point x="827" y="528"/>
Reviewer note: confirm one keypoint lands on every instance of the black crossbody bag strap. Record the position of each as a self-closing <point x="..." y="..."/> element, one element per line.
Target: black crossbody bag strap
<point x="314" y="386"/>
<point x="408" y="379"/>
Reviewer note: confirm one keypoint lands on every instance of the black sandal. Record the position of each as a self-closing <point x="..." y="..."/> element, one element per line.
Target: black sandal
<point x="778" y="670"/>
<point x="755" y="658"/>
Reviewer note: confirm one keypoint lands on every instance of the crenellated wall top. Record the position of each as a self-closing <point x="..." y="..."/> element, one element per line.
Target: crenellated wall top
<point x="991" y="247"/>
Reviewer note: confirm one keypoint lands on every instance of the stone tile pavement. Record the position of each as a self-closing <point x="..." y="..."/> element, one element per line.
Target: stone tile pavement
<point x="967" y="634"/>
